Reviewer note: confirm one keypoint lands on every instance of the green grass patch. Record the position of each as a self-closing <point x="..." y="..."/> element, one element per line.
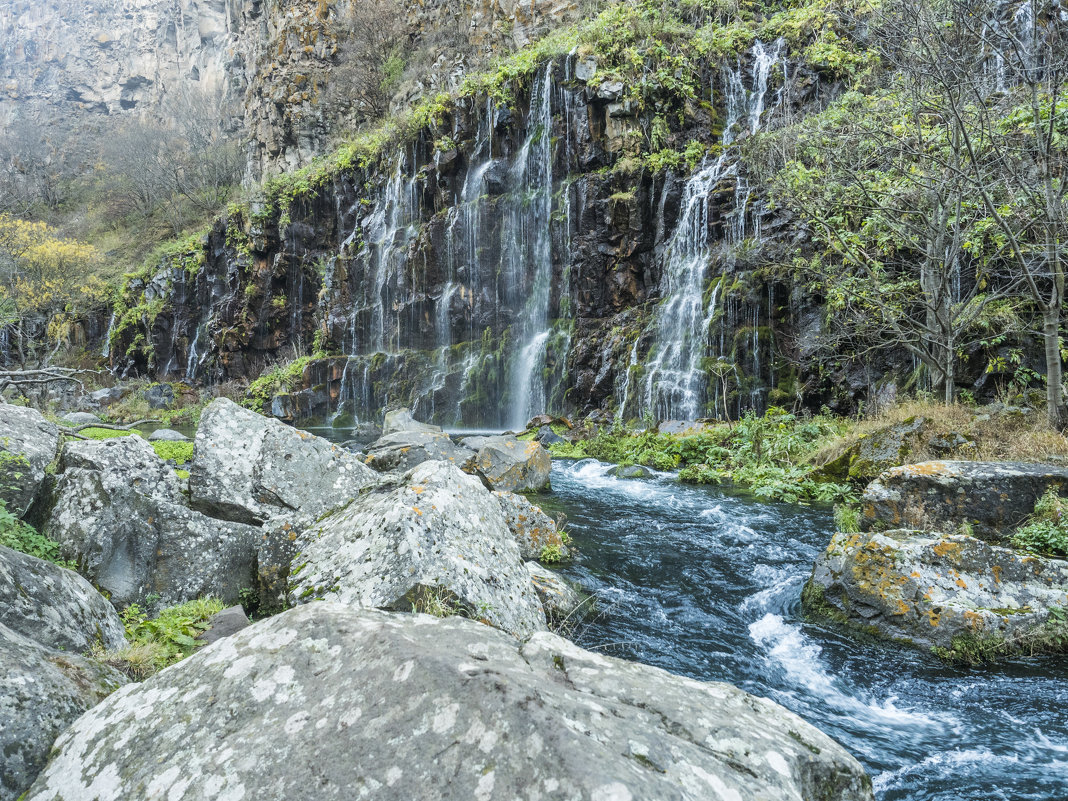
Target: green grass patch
<point x="105" y="433"/>
<point x="1046" y="531"/>
<point x="162" y="641"/>
<point x="180" y="452"/>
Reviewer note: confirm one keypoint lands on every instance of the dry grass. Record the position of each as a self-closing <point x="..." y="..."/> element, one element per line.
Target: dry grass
<point x="1000" y="437"/>
<point x="138" y="660"/>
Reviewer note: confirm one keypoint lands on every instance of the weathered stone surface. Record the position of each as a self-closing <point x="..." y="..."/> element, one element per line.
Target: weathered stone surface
<point x="559" y="599"/>
<point x="546" y="436"/>
<point x="930" y="589"/>
<point x="80" y="418"/>
<point x="403" y="450"/>
<point x="436" y="539"/>
<point x="55" y="606"/>
<point x="42" y="692"/>
<point x="993" y="498"/>
<point x="120" y="515"/>
<point x="633" y="471"/>
<point x="108" y="395"/>
<point x="167" y="435"/>
<point x="160" y="396"/>
<point x="225" y="624"/>
<point x="326" y="702"/>
<point x="879" y="450"/>
<point x="506" y="463"/>
<point x="28" y="444"/>
<point x="532" y="528"/>
<point x="402" y="420"/>
<point x="248" y="468"/>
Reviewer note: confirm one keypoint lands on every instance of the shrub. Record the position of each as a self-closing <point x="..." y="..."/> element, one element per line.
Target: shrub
<point x="1046" y="531"/>
<point x="161" y="641"/>
<point x="21" y="536"/>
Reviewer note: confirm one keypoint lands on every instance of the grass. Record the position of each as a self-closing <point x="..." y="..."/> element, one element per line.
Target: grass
<point x="1046" y="532"/>
<point x="162" y="641"/>
<point x="21" y="536"/>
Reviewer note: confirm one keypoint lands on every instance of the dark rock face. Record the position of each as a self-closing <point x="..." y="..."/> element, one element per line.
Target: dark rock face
<point x="512" y="465"/>
<point x="438" y="710"/>
<point x="991" y="498"/>
<point x="28" y="444"/>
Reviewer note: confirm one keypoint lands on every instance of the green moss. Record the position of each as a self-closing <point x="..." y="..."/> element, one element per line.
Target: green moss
<point x="106" y="433"/>
<point x="179" y="452"/>
<point x="280" y="379"/>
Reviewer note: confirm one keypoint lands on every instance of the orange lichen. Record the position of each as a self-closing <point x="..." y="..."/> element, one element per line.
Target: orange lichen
<point x="945" y="548"/>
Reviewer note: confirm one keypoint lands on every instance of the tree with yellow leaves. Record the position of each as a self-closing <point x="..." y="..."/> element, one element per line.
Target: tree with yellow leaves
<point x="46" y="281"/>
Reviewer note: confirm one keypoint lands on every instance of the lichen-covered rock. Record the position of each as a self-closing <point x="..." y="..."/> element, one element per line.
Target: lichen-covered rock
<point x="991" y="498"/>
<point x="933" y="589"/>
<point x="326" y="702"/>
<point x="402" y="420"/>
<point x="28" y="444"/>
<point x="878" y="450"/>
<point x="55" y="606"/>
<point x="403" y="450"/>
<point x="435" y="540"/>
<point x="532" y="528"/>
<point x="42" y="692"/>
<point x="510" y="464"/>
<point x="167" y="435"/>
<point x="559" y="599"/>
<point x="121" y="516"/>
<point x="249" y="468"/>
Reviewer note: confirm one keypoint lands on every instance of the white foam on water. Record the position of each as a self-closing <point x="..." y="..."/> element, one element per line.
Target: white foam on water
<point x="942" y="763"/>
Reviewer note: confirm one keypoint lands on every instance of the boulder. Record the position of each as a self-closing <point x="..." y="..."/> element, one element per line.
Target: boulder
<point x="991" y="498"/>
<point x="167" y="435"/>
<point x="327" y="702"/>
<point x="108" y="395"/>
<point x="632" y="471"/>
<point x="878" y="450"/>
<point x="224" y="624"/>
<point x="120" y="514"/>
<point x="159" y="396"/>
<point x="546" y="436"/>
<point x="28" y="444"/>
<point x="42" y="691"/>
<point x="435" y="540"/>
<point x="55" y="606"/>
<point x="944" y="591"/>
<point x="532" y="528"/>
<point x="558" y="598"/>
<point x="506" y="463"/>
<point x="249" y="468"/>
<point x="402" y="420"/>
<point x="403" y="450"/>
<point x="80" y="418"/>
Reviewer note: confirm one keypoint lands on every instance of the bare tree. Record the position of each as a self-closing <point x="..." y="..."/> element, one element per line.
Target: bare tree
<point x="374" y="44"/>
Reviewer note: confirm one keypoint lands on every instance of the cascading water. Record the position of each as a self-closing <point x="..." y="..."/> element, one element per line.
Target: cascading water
<point x="676" y="382"/>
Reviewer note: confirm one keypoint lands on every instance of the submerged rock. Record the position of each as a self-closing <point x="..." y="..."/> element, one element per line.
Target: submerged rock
<point x="28" y="444"/>
<point x="42" y="691"/>
<point x="946" y="591"/>
<point x="990" y="498"/>
<point x="326" y="702"/>
<point x="633" y="471"/>
<point x="404" y="450"/>
<point x="120" y="514"/>
<point x="434" y="541"/>
<point x="55" y="606"/>
<point x="532" y="528"/>
<point x="507" y="463"/>
<point x="249" y="468"/>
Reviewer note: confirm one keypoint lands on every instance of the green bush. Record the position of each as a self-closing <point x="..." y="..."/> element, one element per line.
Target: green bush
<point x="168" y="638"/>
<point x="1046" y="532"/>
<point x="21" y="536"/>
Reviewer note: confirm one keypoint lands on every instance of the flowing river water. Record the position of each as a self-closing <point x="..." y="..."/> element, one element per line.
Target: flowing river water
<point x="707" y="584"/>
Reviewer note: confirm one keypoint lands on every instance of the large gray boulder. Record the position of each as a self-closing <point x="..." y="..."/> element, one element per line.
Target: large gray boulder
<point x="435" y="540"/>
<point x="28" y="444"/>
<point x="327" y="702"/>
<point x="562" y="602"/>
<point x="509" y="464"/>
<point x="42" y="691"/>
<point x="402" y="420"/>
<point x="249" y="468"/>
<point x="991" y="498"/>
<point x="952" y="592"/>
<point x="402" y="450"/>
<point x="121" y="516"/>
<point x="532" y="528"/>
<point x="55" y="606"/>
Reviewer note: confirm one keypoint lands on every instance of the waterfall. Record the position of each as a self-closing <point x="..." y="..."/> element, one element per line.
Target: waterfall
<point x="676" y="383"/>
<point x="104" y="353"/>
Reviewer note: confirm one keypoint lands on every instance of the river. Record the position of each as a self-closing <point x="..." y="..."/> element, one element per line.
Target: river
<point x="707" y="584"/>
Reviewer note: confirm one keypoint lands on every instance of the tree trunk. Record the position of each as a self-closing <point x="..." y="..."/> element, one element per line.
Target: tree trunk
<point x="1055" y="410"/>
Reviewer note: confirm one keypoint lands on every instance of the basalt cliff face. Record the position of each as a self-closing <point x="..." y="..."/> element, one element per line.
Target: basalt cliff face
<point x="266" y="65"/>
<point x="505" y="261"/>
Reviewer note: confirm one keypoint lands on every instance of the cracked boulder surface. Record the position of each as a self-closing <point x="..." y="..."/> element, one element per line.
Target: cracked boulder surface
<point x="992" y="498"/>
<point x="435" y="539"/>
<point x="329" y="702"/>
<point x="28" y="444"/>
<point x="249" y="468"/>
<point x="930" y="589"/>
